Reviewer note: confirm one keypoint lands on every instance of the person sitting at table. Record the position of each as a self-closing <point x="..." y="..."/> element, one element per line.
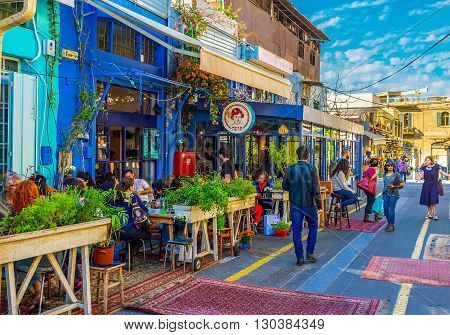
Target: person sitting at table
<point x="132" y="232"/>
<point x="262" y="186"/>
<point x="25" y="195"/>
<point x="339" y="181"/>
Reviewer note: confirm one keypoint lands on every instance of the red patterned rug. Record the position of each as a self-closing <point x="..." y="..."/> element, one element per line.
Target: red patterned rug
<point x="406" y="270"/>
<point x="438" y="248"/>
<point x="359" y="225"/>
<point x="205" y="296"/>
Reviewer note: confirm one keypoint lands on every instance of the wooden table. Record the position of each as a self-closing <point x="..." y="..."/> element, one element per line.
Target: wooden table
<point x="167" y="220"/>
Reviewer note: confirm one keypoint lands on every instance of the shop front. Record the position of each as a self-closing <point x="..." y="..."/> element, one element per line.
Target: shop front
<point x="271" y="143"/>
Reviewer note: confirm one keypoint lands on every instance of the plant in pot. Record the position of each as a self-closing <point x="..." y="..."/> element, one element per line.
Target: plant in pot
<point x="246" y="239"/>
<point x="281" y="228"/>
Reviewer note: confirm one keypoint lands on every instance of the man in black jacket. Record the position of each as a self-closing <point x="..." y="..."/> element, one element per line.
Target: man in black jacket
<point x="302" y="182"/>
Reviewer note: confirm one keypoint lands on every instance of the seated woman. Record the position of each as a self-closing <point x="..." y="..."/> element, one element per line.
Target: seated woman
<point x="264" y="203"/>
<point x="132" y="203"/>
<point x="339" y="181"/>
<point x="25" y="194"/>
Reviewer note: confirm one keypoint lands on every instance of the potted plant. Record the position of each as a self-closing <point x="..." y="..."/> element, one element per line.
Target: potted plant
<point x="277" y="193"/>
<point x="281" y="228"/>
<point x="246" y="239"/>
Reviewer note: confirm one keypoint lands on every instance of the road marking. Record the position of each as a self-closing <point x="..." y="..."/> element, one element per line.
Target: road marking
<point x="405" y="289"/>
<point x="261" y="262"/>
<point x="323" y="278"/>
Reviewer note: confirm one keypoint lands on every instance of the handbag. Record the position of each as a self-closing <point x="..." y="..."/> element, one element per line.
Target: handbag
<point x="378" y="207"/>
<point x="269" y="220"/>
<point x="440" y="188"/>
<point x="370" y="186"/>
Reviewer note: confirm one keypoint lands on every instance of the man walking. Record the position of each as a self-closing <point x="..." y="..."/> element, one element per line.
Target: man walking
<point x="302" y="182"/>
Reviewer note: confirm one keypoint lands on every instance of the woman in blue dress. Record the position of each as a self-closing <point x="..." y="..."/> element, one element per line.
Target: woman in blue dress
<point x="430" y="196"/>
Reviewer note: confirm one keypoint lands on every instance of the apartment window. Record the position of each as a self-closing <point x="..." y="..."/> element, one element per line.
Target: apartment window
<point x="312" y="57"/>
<point x="148" y="51"/>
<point x="103" y="35"/>
<point x="301" y="49"/>
<point x="407" y="120"/>
<point x="124" y="41"/>
<point x="9" y="64"/>
<point x="10" y="8"/>
<point x="443" y="119"/>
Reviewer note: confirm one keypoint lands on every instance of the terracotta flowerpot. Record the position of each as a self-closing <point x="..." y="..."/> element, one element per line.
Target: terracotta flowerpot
<point x="280" y="232"/>
<point x="103" y="256"/>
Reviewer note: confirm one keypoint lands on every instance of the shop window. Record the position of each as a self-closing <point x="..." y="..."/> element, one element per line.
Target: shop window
<point x="123" y="99"/>
<point x="124" y="41"/>
<point x="4" y="145"/>
<point x="301" y="49"/>
<point x="10" y="8"/>
<point x="148" y="51"/>
<point x="103" y="32"/>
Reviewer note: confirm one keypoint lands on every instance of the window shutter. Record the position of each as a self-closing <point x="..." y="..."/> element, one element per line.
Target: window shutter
<point x="439" y="119"/>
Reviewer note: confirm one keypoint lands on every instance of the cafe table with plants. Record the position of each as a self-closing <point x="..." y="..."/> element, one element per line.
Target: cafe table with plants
<point x="62" y="223"/>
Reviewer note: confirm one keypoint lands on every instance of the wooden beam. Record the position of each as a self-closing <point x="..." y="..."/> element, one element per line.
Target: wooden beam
<point x="62" y="277"/>
<point x="61" y="309"/>
<point x="28" y="277"/>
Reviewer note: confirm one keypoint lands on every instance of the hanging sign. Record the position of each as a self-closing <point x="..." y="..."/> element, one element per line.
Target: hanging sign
<point x="238" y="117"/>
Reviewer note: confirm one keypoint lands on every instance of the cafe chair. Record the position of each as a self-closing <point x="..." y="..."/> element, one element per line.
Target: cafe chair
<point x="182" y="241"/>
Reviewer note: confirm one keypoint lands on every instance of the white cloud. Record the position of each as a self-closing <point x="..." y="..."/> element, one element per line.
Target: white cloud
<point x="318" y="16"/>
<point x="430" y="67"/>
<point x="440" y="4"/>
<point x="341" y="43"/>
<point x="382" y="17"/>
<point x="359" y="54"/>
<point x="404" y="41"/>
<point x="329" y="23"/>
<point x="369" y="33"/>
<point x="418" y="11"/>
<point x="377" y="41"/>
<point x="361" y="4"/>
<point x="395" y="61"/>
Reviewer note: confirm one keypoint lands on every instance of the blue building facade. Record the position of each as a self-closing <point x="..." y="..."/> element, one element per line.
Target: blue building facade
<point x="127" y="72"/>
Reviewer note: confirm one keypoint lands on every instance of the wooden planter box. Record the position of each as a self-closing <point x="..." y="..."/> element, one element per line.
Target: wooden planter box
<point x="193" y="213"/>
<point x="237" y="204"/>
<point x="26" y="245"/>
<point x="280" y="195"/>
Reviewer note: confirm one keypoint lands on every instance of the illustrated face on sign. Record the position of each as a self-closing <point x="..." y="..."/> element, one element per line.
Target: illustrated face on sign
<point x="238" y="117"/>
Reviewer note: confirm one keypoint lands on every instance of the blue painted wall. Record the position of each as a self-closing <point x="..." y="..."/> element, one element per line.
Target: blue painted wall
<point x="101" y="66"/>
<point x="20" y="43"/>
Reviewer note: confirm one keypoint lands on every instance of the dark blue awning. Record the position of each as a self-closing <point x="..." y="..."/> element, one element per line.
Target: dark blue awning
<point x="294" y="112"/>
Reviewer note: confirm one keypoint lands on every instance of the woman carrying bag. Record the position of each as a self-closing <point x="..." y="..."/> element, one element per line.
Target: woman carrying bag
<point x="369" y="186"/>
<point x="432" y="187"/>
<point x="393" y="181"/>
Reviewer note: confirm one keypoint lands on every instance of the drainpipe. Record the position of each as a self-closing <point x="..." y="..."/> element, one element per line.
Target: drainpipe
<point x="26" y="14"/>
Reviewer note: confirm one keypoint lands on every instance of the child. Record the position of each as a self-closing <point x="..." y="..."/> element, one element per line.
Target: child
<point x="393" y="181"/>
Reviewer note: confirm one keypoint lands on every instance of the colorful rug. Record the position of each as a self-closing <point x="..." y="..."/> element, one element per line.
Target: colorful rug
<point x="358" y="225"/>
<point x="406" y="270"/>
<point x="205" y="296"/>
<point x="438" y="248"/>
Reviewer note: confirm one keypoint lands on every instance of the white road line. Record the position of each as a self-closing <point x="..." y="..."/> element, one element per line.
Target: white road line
<point x="405" y="290"/>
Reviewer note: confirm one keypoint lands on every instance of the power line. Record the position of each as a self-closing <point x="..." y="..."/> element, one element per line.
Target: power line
<point x="404" y="66"/>
<point x="345" y="74"/>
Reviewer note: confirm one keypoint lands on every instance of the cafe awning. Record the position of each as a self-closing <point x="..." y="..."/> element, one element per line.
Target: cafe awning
<point x="377" y="139"/>
<point x="231" y="68"/>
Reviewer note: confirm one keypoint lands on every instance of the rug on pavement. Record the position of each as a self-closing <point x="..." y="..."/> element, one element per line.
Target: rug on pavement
<point x="359" y="225"/>
<point x="406" y="270"/>
<point x="205" y="296"/>
<point x="438" y="247"/>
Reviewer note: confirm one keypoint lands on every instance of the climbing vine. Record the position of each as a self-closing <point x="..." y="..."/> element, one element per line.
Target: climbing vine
<point x="53" y="62"/>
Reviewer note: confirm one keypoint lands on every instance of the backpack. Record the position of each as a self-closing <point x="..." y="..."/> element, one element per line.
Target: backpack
<point x="140" y="217"/>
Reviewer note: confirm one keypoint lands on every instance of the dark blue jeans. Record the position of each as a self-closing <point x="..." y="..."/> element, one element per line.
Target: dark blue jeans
<point x="350" y="197"/>
<point x="389" y="203"/>
<point x="297" y="215"/>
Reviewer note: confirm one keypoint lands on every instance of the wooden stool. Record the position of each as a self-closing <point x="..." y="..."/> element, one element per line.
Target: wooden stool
<point x="221" y="235"/>
<point x="105" y="272"/>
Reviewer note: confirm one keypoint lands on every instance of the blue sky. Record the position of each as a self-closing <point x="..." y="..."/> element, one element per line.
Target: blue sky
<point x="372" y="38"/>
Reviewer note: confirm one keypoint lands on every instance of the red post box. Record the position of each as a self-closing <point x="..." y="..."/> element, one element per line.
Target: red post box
<point x="184" y="164"/>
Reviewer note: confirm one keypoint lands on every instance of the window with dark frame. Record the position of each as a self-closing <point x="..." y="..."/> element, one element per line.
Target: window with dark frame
<point x="103" y="35"/>
<point x="301" y="49"/>
<point x="148" y="51"/>
<point x="312" y="58"/>
<point x="10" y="8"/>
<point x="124" y="41"/>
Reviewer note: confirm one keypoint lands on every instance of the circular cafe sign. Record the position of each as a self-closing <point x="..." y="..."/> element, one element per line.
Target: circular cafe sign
<point x="238" y="117"/>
